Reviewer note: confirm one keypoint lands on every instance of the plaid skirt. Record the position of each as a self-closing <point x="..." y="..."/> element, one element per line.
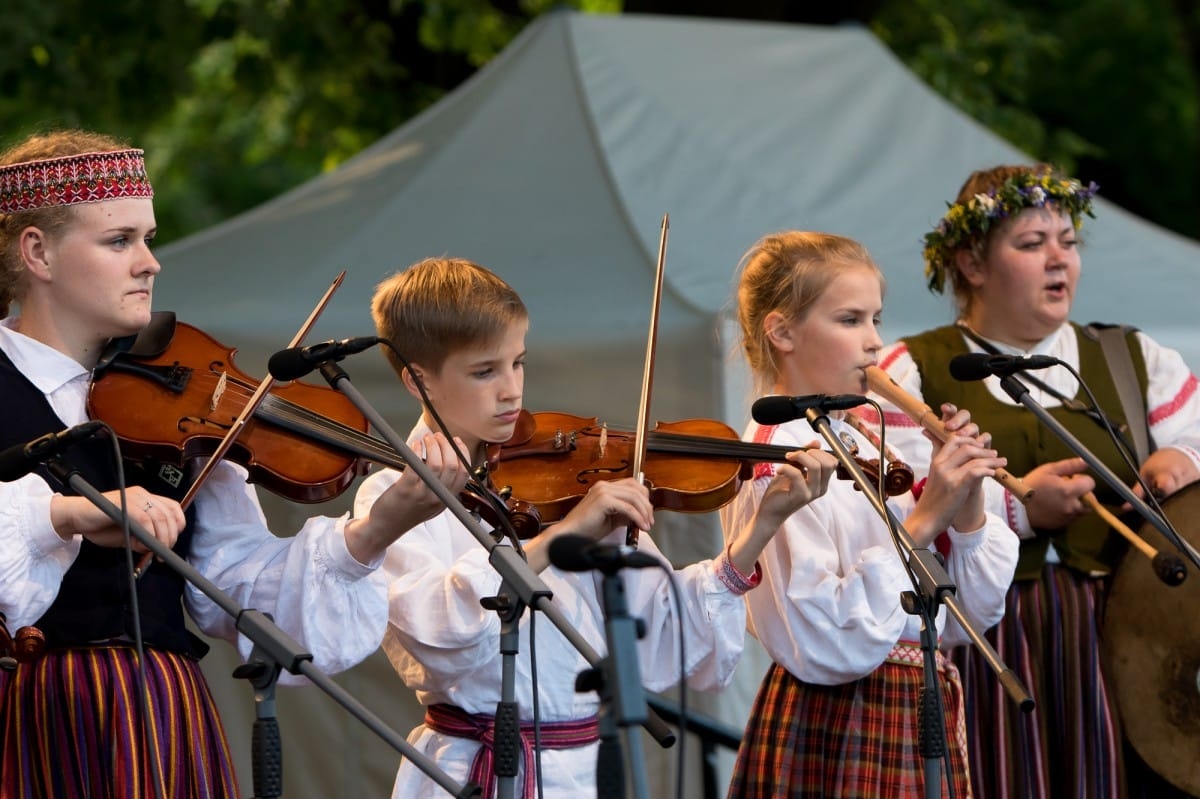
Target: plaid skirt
<point x="1071" y="745"/>
<point x="858" y="739"/>
<point x="71" y="725"/>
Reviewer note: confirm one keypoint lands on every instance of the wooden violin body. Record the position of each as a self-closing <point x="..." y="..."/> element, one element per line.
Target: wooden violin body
<point x="692" y="466"/>
<point x="177" y="405"/>
<point x="173" y="402"/>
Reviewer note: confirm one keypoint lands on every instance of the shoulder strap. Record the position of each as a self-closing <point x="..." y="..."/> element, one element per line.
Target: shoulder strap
<point x="1115" y="344"/>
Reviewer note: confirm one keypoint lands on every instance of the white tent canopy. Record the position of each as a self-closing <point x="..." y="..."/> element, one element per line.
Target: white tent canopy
<point x="554" y="166"/>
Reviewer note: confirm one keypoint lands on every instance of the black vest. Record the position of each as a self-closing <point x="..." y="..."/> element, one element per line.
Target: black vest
<point x="93" y="600"/>
<point x="1088" y="544"/>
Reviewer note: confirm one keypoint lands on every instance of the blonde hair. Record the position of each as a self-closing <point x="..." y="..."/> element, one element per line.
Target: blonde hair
<point x="439" y="306"/>
<point x="53" y="221"/>
<point x="786" y="273"/>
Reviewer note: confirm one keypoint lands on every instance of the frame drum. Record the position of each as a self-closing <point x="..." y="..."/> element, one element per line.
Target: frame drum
<point x="1151" y="643"/>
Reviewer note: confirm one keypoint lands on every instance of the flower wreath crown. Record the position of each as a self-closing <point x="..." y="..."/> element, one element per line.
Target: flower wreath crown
<point x="965" y="221"/>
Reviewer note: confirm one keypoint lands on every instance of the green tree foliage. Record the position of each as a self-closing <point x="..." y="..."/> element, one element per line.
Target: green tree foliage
<point x="1106" y="89"/>
<point x="238" y="100"/>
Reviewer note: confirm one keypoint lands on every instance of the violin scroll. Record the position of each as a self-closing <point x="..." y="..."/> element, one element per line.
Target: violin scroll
<point x="898" y="477"/>
<point x="25" y="647"/>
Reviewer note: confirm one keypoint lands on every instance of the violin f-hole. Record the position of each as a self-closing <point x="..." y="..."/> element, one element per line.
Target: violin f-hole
<point x="581" y="477"/>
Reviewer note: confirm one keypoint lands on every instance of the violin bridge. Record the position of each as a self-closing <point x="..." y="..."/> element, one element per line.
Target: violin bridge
<point x="218" y="391"/>
<point x="603" y="438"/>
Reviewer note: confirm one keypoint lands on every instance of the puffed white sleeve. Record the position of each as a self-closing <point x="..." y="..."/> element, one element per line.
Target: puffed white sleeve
<point x="435" y="581"/>
<point x="826" y="611"/>
<point x="981" y="564"/>
<point x="712" y="621"/>
<point x="1172" y="399"/>
<point x="311" y="585"/>
<point x="33" y="558"/>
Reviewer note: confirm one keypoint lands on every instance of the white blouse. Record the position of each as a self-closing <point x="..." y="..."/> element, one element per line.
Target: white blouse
<point x="1172" y="404"/>
<point x="446" y="646"/>
<point x="311" y="585"/>
<point x="829" y="607"/>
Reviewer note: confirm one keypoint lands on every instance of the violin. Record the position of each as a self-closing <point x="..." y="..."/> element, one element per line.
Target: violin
<point x="693" y="466"/>
<point x="24" y="647"/>
<point x="172" y="397"/>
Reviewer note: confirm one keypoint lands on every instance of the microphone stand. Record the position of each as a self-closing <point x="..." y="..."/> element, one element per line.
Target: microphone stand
<point x="273" y="651"/>
<point x="622" y="697"/>
<point x="935" y="586"/>
<point x="522" y="588"/>
<point x="1020" y="394"/>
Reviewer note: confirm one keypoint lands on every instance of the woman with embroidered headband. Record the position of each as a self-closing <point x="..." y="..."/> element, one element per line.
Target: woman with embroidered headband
<point x="1009" y="250"/>
<point x="76" y="225"/>
<point x="837" y="712"/>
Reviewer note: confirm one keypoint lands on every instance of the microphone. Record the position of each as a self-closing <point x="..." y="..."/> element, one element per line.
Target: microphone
<point x="21" y="459"/>
<point x="779" y="408"/>
<point x="578" y="553"/>
<point x="978" y="365"/>
<point x="294" y="363"/>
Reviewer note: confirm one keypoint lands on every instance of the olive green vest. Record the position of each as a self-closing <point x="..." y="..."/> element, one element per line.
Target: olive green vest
<point x="1087" y="544"/>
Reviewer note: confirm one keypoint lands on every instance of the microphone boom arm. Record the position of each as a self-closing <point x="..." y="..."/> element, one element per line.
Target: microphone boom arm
<point x="271" y="642"/>
<point x="934" y="583"/>
<point x="1020" y="394"/>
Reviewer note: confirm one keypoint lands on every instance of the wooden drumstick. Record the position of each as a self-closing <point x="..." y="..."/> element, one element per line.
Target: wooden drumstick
<point x="1170" y="568"/>
<point x="882" y="384"/>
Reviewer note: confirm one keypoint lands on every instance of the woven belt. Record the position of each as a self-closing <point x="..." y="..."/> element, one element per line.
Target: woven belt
<point x="452" y="720"/>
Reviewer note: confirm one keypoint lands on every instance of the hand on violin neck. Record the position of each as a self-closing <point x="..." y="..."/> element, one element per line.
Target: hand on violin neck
<point x="409" y="501"/>
<point x="796" y="483"/>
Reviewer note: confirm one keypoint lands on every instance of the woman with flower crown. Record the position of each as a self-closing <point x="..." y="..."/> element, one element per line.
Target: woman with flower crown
<point x="1009" y="248"/>
<point x="89" y="717"/>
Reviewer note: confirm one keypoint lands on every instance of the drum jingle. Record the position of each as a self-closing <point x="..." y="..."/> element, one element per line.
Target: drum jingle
<point x="1151" y="638"/>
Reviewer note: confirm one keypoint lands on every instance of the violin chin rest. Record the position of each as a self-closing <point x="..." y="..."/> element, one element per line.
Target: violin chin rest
<point x="151" y="342"/>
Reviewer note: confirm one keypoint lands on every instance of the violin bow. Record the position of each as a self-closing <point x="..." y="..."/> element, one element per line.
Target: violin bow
<point x="252" y="404"/>
<point x="643" y="422"/>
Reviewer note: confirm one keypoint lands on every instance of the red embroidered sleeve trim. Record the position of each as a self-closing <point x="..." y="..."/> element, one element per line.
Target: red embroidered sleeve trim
<point x="763" y="435"/>
<point x="1169" y="409"/>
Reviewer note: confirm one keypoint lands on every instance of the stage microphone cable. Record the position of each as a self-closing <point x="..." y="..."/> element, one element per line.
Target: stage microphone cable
<point x="151" y="750"/>
<point x="508" y="533"/>
<point x="1122" y="448"/>
<point x="928" y="619"/>
<point x="506" y="528"/>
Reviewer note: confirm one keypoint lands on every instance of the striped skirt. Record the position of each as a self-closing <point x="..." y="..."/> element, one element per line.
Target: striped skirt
<point x="71" y="725"/>
<point x="1070" y="746"/>
<point x="859" y="739"/>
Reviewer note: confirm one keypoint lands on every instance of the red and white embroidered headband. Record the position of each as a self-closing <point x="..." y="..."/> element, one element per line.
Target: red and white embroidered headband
<point x="72" y="179"/>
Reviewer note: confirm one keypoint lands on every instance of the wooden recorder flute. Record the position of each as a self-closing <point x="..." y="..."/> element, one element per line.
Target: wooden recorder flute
<point x="1170" y="568"/>
<point x="882" y="384"/>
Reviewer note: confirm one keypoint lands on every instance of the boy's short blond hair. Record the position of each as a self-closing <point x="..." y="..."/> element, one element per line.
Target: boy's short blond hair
<point x="440" y="306"/>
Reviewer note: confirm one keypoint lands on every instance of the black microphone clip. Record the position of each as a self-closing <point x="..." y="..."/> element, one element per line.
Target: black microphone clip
<point x="21" y="459"/>
<point x="978" y="365"/>
<point x="578" y="553"/>
<point x="780" y="408"/>
<point x="296" y="362"/>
